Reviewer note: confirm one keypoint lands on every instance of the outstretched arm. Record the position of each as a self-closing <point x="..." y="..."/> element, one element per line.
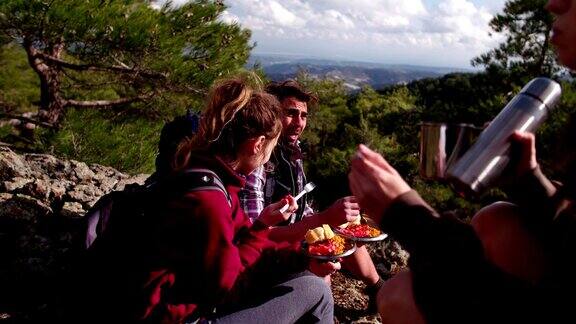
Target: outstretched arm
<point x="343" y="210"/>
<point x="403" y="214"/>
<point x="295" y="232"/>
<point x="374" y="182"/>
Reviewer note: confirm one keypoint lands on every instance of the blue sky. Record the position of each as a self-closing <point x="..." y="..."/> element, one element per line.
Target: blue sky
<point x="421" y="32"/>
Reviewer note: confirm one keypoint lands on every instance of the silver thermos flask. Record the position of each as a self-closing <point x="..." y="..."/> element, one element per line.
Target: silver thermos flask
<point x="484" y="162"/>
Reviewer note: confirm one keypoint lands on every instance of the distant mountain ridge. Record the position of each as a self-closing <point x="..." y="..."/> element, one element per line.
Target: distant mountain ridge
<point x="354" y="74"/>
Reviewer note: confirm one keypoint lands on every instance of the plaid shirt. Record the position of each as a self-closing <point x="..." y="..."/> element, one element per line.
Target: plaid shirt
<point x="252" y="195"/>
<point x="261" y="186"/>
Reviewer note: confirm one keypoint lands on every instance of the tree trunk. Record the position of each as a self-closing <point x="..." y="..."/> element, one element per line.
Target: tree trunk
<point x="543" y="68"/>
<point x="52" y="104"/>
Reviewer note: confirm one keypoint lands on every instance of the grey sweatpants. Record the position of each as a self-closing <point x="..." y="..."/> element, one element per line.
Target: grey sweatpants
<point x="303" y="298"/>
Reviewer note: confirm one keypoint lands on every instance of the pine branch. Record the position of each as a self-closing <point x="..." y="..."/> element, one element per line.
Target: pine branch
<point x="106" y="103"/>
<point x="84" y="84"/>
<point x="93" y="67"/>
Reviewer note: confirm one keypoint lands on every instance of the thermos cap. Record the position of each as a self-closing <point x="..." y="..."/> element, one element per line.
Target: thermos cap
<point x="544" y="89"/>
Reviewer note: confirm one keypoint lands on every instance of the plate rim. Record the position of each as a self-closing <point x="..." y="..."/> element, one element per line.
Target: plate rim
<point x="380" y="237"/>
<point x="371" y="222"/>
<point x="346" y="253"/>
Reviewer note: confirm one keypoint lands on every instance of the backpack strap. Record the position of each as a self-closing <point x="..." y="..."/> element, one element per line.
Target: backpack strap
<point x="196" y="179"/>
<point x="193" y="179"/>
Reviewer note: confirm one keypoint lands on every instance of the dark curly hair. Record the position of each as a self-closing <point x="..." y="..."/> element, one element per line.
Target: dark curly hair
<point x="290" y="88"/>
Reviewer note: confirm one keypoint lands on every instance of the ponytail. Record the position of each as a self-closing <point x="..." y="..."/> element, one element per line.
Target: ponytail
<point x="234" y="112"/>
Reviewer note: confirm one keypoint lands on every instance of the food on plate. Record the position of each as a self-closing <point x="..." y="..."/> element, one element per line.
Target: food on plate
<point x="357" y="229"/>
<point x="357" y="221"/>
<point x="322" y="241"/>
<point x="319" y="234"/>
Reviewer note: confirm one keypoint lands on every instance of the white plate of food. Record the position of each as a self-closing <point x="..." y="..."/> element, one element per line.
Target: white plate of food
<point x="321" y="243"/>
<point x="364" y="229"/>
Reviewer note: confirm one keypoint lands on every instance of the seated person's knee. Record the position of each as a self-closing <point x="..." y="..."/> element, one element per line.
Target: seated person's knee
<point x="494" y="217"/>
<point x="317" y="285"/>
<point x="396" y="303"/>
<point x="508" y="242"/>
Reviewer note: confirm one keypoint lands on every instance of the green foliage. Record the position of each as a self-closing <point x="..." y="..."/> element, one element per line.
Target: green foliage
<point x="138" y="65"/>
<point x="123" y="52"/>
<point x="124" y="142"/>
<point x="337" y="125"/>
<point x="527" y="51"/>
<point x="556" y="143"/>
<point x="442" y="198"/>
<point x="5" y="131"/>
<point x="461" y="98"/>
<point x="187" y="42"/>
<point x="325" y="116"/>
<point x="123" y="139"/>
<point x="19" y="85"/>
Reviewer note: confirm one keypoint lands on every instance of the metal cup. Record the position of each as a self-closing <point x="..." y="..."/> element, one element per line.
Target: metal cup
<point x="441" y="145"/>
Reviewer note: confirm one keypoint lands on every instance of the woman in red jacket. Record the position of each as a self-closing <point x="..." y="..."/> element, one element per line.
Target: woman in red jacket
<point x="200" y="257"/>
<point x="213" y="245"/>
<point x="217" y="243"/>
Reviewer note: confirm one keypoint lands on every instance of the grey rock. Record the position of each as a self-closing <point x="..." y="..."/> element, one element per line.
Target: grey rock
<point x="42" y="202"/>
<point x="5" y="196"/>
<point x="138" y="179"/>
<point x="12" y="165"/>
<point x="21" y="207"/>
<point x="108" y="184"/>
<point x="46" y="166"/>
<point x="72" y="209"/>
<point x="38" y="188"/>
<point x="86" y="194"/>
<point x="101" y="172"/>
<point x="15" y="184"/>
<point x="81" y="171"/>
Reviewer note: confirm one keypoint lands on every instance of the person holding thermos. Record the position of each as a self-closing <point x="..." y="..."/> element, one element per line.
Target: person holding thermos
<point x="515" y="262"/>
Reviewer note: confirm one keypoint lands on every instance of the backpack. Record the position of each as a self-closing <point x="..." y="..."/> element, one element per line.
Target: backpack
<point x="127" y="207"/>
<point x="117" y="229"/>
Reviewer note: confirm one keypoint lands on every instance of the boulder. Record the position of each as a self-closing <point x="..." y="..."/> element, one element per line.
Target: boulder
<point x="12" y="165"/>
<point x="42" y="202"/>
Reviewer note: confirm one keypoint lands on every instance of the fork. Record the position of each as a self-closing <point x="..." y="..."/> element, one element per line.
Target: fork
<point x="307" y="188"/>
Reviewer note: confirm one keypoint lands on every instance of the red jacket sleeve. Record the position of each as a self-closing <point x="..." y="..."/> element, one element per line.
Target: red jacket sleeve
<point x="209" y="243"/>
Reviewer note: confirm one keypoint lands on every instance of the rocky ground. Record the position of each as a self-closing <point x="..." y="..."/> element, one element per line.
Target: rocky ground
<point x="351" y="303"/>
<point x="42" y="202"/>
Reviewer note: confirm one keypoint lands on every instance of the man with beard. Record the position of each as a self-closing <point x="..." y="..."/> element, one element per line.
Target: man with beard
<point x="284" y="175"/>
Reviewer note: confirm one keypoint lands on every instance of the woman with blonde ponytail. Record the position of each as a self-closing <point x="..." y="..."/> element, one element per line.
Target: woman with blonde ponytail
<point x="203" y="260"/>
<point x="234" y="113"/>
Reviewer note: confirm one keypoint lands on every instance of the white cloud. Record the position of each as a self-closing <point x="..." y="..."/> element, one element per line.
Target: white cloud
<point x="457" y="8"/>
<point x="332" y="19"/>
<point x="284" y="17"/>
<point x="364" y="29"/>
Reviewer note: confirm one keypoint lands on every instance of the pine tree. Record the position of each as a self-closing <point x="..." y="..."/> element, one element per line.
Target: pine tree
<point x="130" y="48"/>
<point x="527" y="50"/>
